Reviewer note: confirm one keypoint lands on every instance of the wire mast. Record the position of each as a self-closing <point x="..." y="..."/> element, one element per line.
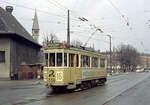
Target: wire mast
<point x="68" y="30"/>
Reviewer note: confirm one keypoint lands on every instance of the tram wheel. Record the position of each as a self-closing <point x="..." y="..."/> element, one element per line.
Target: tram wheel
<point x="93" y="83"/>
<point x="89" y="85"/>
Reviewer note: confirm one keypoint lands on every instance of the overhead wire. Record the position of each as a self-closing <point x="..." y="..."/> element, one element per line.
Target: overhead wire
<point x="123" y="16"/>
<point x="97" y="39"/>
<point x="60" y="4"/>
<point x="68" y="9"/>
<point x="42" y="11"/>
<point x="39" y="10"/>
<point x="50" y="2"/>
<point x="63" y="7"/>
<point x="22" y="6"/>
<point x="119" y="12"/>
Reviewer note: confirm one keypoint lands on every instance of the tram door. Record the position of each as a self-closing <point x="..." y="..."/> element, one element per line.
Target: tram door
<point x="72" y="66"/>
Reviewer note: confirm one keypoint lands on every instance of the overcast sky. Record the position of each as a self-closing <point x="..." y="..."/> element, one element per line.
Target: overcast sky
<point x="125" y="20"/>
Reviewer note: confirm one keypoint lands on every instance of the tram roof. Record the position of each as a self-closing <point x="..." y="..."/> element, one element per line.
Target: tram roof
<point x="74" y="48"/>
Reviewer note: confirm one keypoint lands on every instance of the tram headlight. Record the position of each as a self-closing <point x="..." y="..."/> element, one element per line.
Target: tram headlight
<point x="45" y="71"/>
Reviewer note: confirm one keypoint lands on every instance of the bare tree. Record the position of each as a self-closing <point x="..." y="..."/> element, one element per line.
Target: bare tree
<point x="128" y="57"/>
<point x="76" y="43"/>
<point x="50" y="38"/>
<point x="115" y="61"/>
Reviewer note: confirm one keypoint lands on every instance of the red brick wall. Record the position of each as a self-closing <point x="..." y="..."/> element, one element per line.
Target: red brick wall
<point x="28" y="72"/>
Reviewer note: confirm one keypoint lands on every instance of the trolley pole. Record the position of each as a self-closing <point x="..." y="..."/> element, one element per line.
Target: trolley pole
<point x="110" y="59"/>
<point x="68" y="30"/>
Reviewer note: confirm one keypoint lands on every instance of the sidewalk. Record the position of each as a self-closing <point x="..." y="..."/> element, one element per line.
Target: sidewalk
<point x="117" y="73"/>
<point x="13" y="83"/>
<point x="7" y="83"/>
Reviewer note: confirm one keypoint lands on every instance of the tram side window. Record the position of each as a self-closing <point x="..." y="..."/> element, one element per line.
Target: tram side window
<point x="77" y="60"/>
<point x="52" y="59"/>
<point x="94" y="62"/>
<point x="71" y="60"/>
<point x="46" y="60"/>
<point x="102" y="63"/>
<point x="82" y="61"/>
<point x="59" y="59"/>
<point x="85" y="61"/>
<point x="65" y="59"/>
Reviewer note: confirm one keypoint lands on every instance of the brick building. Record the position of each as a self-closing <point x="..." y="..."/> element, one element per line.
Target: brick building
<point x="144" y="60"/>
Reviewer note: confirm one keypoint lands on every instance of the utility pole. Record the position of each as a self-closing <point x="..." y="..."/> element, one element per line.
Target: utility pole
<point x="110" y="62"/>
<point x="68" y="30"/>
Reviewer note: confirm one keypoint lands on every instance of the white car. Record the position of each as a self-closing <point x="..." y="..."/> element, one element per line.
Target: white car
<point x="140" y="70"/>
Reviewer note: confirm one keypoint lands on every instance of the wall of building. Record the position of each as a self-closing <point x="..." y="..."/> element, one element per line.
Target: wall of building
<point x="22" y="52"/>
<point x="5" y="66"/>
<point x="145" y="61"/>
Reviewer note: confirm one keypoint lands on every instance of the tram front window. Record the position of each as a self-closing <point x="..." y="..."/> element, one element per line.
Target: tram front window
<point x="52" y="59"/>
<point x="46" y="60"/>
<point x="59" y="59"/>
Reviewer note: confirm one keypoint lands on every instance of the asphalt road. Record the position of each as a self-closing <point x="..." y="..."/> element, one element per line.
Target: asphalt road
<point x="126" y="89"/>
<point x="137" y="95"/>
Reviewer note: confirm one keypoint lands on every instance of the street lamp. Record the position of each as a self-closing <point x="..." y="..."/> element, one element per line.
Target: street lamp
<point x="110" y="59"/>
<point x="98" y="29"/>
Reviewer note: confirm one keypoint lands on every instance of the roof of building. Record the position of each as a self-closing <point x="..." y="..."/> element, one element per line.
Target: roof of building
<point x="10" y="25"/>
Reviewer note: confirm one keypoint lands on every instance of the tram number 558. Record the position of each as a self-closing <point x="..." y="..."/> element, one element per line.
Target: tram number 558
<point x="59" y="76"/>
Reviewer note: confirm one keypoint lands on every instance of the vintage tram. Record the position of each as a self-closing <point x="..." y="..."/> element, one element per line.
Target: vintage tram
<point x="73" y="67"/>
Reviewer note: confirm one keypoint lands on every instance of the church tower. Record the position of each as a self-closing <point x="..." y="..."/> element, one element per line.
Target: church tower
<point x="35" y="28"/>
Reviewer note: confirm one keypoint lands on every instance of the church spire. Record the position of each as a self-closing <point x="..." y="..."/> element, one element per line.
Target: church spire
<point x="35" y="27"/>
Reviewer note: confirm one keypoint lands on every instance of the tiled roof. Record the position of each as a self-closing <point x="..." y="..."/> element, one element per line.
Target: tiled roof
<point x="9" y="24"/>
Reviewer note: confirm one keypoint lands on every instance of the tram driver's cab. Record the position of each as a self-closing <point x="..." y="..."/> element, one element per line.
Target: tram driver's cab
<point x="59" y="68"/>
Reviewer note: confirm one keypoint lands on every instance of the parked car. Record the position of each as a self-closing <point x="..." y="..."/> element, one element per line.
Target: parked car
<point x="147" y="69"/>
<point x="140" y="70"/>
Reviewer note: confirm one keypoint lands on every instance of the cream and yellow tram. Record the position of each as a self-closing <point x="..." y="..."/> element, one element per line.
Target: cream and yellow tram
<point x="73" y="68"/>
